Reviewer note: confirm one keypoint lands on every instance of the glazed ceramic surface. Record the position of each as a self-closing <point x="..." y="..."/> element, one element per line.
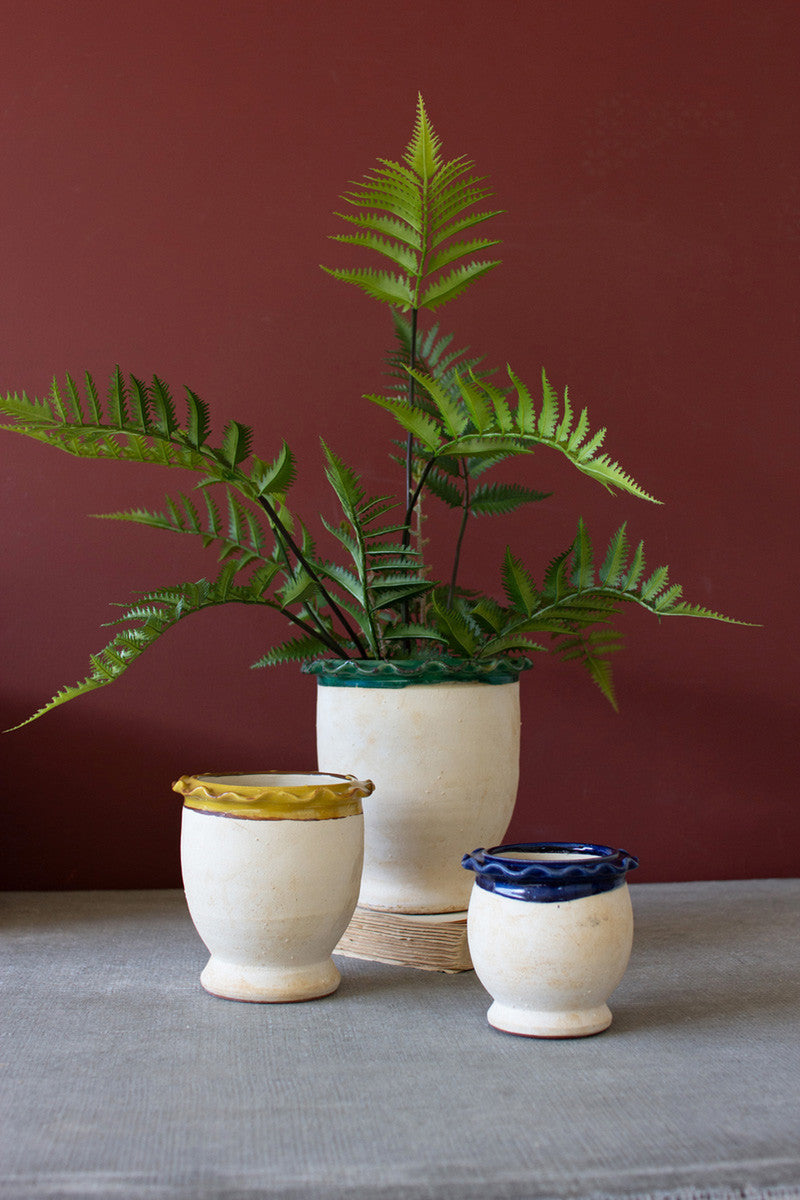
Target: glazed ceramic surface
<point x="271" y="869"/>
<point x="444" y="758"/>
<point x="550" y="929"/>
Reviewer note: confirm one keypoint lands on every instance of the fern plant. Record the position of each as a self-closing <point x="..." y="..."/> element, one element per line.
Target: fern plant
<point x="457" y="420"/>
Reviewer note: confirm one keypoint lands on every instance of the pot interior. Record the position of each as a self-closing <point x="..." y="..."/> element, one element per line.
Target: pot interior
<point x="546" y="856"/>
<point x="265" y="779"/>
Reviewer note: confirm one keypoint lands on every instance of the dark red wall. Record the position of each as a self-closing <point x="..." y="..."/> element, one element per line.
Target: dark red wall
<point x="168" y="175"/>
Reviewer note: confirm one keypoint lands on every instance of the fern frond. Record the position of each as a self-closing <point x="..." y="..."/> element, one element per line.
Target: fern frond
<point x="451" y="411"/>
<point x="552" y="432"/>
<point x="414" y="213"/>
<point x="493" y="499"/>
<point x="392" y="227"/>
<point x="423" y="153"/>
<point x="453" y="624"/>
<point x="381" y="285"/>
<point x="403" y="256"/>
<point x="277" y="477"/>
<point x="447" y="287"/>
<point x="582" y="560"/>
<point x="455" y="250"/>
<point x="518" y="585"/>
<point x="300" y="649"/>
<point x="412" y="419"/>
<point x="197" y="427"/>
<point x="442" y="486"/>
<point x="146" y="621"/>
<point x="614" y="563"/>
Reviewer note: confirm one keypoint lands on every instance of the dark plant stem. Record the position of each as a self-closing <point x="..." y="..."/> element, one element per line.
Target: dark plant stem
<point x="411" y="495"/>
<point x="420" y="484"/>
<point x="465" y="514"/>
<point x="287" y="538"/>
<point x="319" y="629"/>
<point x="320" y="633"/>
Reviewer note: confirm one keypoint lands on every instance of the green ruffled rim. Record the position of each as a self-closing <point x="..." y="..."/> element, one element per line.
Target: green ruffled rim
<point x="410" y="672"/>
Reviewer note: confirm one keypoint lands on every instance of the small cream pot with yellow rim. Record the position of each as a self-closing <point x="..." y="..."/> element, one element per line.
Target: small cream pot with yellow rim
<point x="271" y="869"/>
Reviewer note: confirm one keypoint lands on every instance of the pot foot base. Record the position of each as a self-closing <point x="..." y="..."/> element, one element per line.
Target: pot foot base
<point x="427" y="941"/>
<point x="533" y="1023"/>
<point x="268" y="985"/>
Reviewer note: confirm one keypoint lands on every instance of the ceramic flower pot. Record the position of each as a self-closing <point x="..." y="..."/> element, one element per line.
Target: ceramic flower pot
<point x="550" y="929"/>
<point x="440" y="740"/>
<point x="271" y="868"/>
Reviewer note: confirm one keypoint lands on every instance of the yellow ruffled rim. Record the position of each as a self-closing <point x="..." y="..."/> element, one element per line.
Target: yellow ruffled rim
<point x="332" y="796"/>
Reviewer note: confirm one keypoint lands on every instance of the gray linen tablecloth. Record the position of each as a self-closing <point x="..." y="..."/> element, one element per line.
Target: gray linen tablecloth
<point x="122" y="1078"/>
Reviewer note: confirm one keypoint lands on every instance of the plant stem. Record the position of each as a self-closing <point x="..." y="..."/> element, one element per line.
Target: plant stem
<point x="411" y="495"/>
<point x="283" y="532"/>
<point x="420" y="484"/>
<point x="465" y="514"/>
<point x="320" y="633"/>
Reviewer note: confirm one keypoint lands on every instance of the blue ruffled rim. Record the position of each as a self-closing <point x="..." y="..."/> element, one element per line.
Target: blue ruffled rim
<point x="408" y="672"/>
<point x="543" y="881"/>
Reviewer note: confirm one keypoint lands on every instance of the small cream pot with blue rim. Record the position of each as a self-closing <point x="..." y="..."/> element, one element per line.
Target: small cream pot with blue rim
<point x="550" y="929"/>
<point x="271" y="870"/>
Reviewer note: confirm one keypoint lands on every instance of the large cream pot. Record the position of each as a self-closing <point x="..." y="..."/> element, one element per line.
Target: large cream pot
<point x="442" y="749"/>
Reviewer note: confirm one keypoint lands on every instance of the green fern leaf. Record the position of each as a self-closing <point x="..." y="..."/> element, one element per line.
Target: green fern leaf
<point x="590" y="449"/>
<point x="582" y="559"/>
<point x="403" y="256"/>
<point x="197" y="429"/>
<point x="555" y="578"/>
<point x="509" y="643"/>
<point x="579" y="433"/>
<point x="493" y="499"/>
<point x="276" y="478"/>
<point x="412" y="213"/>
<point x="415" y="632"/>
<point x="411" y="419"/>
<point x="636" y="569"/>
<point x="299" y="649"/>
<point x="455" y="627"/>
<point x="392" y="227"/>
<point x="442" y="487"/>
<point x="658" y="580"/>
<point x="452" y="413"/>
<point x="381" y="285"/>
<point x="163" y="407"/>
<point x="424" y="149"/>
<point x="236" y="442"/>
<point x="501" y="412"/>
<point x="518" y="585"/>
<point x="477" y="404"/>
<point x="667" y="602"/>
<point x="489" y="615"/>
<point x="298" y="589"/>
<point x="562" y="433"/>
<point x="526" y="415"/>
<point x="118" y="399"/>
<point x="462" y="223"/>
<point x="75" y="407"/>
<point x="162" y="610"/>
<point x="449" y="286"/>
<point x="616" y="557"/>
<point x="453" y="250"/>
<point x="139" y="404"/>
<point x="549" y="411"/>
<point x="492" y="444"/>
